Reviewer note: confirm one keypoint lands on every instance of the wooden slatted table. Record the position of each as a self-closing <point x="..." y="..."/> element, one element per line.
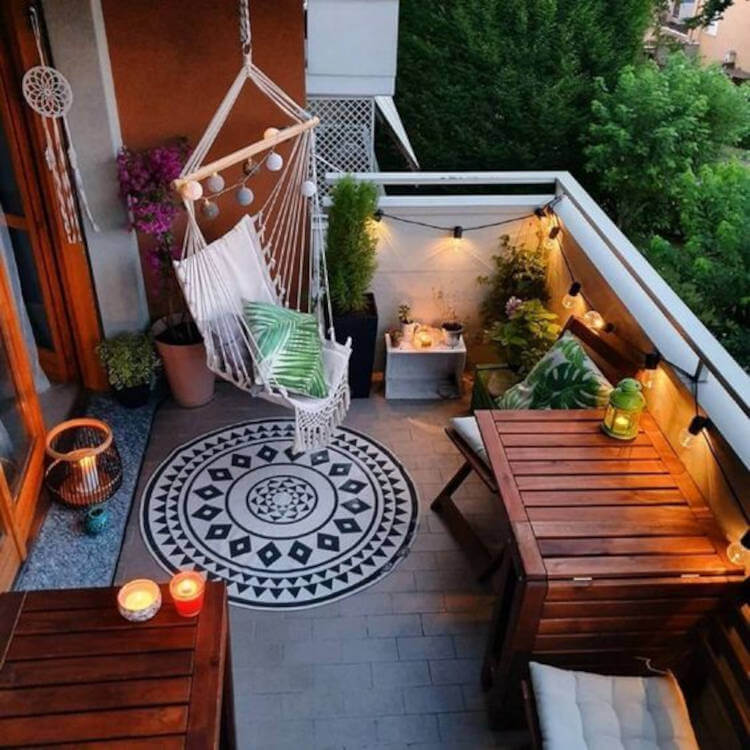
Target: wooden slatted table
<point x="612" y="552"/>
<point x="75" y="674"/>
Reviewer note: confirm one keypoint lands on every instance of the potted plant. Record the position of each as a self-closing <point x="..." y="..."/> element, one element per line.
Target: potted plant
<point x="520" y="271"/>
<point x="130" y="362"/>
<point x="528" y="331"/>
<point x="408" y="325"/>
<point x="351" y="261"/>
<point x="145" y="178"/>
<point x="452" y="328"/>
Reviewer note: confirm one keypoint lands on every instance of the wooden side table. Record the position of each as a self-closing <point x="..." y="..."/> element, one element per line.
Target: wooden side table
<point x="431" y="373"/>
<point x="74" y="672"/>
<point x="612" y="553"/>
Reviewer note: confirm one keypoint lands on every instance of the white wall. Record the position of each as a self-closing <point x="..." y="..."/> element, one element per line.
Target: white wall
<point x="415" y="262"/>
<point x="351" y="47"/>
<point x="79" y="49"/>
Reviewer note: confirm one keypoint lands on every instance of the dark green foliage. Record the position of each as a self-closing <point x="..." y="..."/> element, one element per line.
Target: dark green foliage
<point x="129" y="359"/>
<point x="484" y="84"/>
<point x="709" y="267"/>
<point x="519" y="272"/>
<point x="350" y="244"/>
<point x="652" y="127"/>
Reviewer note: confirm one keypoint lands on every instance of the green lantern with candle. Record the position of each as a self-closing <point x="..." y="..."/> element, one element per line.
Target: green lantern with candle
<point x="623" y="413"/>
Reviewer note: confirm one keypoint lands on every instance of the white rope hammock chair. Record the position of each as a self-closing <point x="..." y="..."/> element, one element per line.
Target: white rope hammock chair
<point x="275" y="256"/>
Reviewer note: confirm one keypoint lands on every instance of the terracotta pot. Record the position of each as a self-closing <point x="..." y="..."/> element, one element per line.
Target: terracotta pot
<point x="190" y="380"/>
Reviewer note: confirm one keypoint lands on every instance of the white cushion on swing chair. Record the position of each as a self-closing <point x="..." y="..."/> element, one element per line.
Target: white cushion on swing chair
<point x="218" y="279"/>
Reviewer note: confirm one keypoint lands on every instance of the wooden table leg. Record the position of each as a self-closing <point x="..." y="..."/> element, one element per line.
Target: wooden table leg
<point x="228" y="739"/>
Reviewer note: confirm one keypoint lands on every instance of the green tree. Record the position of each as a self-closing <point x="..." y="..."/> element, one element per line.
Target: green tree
<point x="654" y="125"/>
<point x="709" y="267"/>
<point x="484" y="84"/>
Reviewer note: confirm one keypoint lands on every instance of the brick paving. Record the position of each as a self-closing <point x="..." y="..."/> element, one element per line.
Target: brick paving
<point x="392" y="667"/>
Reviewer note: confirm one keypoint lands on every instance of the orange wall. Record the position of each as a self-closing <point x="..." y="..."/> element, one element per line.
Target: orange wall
<point x="173" y="61"/>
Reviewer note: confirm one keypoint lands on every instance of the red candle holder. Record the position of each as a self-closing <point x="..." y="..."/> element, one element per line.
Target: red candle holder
<point x="187" y="590"/>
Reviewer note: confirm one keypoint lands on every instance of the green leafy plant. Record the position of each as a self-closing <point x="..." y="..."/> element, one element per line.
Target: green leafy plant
<point x="404" y="314"/>
<point x="652" y="127"/>
<point x="526" y="334"/>
<point x="350" y="244"/>
<point x="709" y="264"/>
<point x="520" y="271"/>
<point x="129" y="359"/>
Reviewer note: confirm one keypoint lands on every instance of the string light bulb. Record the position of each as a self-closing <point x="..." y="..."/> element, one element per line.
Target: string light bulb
<point x="649" y="369"/>
<point x="738" y="551"/>
<point x="274" y="162"/>
<point x="594" y="320"/>
<point x="688" y="434"/>
<point x="215" y="183"/>
<point x="458" y="233"/>
<point x="539" y="212"/>
<point x="569" y="300"/>
<point x="378" y="215"/>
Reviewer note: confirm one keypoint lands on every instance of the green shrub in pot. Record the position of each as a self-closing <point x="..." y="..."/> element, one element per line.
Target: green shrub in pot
<point x="351" y="261"/>
<point x="130" y="362"/>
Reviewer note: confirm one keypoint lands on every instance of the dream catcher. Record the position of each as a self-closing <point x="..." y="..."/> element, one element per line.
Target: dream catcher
<point x="48" y="93"/>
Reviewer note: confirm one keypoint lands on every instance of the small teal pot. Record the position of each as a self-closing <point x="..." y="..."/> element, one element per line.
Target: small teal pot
<point x="96" y="520"/>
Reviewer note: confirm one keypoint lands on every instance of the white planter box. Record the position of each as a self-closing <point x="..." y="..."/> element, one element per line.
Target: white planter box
<point x="432" y="373"/>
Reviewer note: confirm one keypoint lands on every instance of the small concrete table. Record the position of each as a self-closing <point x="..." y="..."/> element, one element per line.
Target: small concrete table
<point x="433" y="372"/>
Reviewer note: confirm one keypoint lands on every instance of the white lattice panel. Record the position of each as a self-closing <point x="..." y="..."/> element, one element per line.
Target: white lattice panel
<point x="345" y="136"/>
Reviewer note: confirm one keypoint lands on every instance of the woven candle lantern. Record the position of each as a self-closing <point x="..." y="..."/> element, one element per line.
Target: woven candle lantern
<point x="85" y="467"/>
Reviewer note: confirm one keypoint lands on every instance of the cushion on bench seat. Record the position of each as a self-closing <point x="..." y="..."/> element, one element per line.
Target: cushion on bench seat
<point x="584" y="711"/>
<point x="468" y="429"/>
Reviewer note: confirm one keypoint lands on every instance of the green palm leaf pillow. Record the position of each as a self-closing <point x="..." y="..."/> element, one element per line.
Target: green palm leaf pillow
<point x="564" y="378"/>
<point x="290" y="347"/>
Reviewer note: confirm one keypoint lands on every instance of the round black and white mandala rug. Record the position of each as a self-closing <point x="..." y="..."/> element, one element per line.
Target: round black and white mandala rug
<point x="285" y="530"/>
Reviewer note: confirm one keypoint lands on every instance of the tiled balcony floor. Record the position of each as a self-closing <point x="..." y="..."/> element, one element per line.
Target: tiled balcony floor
<point x="395" y="666"/>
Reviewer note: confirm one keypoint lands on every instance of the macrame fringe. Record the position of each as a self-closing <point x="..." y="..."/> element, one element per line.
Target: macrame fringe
<point x="315" y="429"/>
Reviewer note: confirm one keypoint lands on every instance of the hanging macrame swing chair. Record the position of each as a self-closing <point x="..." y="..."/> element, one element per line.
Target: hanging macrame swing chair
<point x="275" y="256"/>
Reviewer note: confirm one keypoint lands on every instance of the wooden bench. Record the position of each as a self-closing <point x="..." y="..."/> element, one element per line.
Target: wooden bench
<point x="714" y="676"/>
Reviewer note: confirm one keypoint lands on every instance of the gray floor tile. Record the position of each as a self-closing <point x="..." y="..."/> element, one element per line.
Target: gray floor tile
<point x="329" y="677"/>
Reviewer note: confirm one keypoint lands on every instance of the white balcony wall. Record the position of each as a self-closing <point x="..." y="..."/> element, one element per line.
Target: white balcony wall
<point x="416" y="263"/>
<point x="351" y="47"/>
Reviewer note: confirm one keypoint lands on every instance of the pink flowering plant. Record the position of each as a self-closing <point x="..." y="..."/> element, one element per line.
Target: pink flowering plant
<point x="145" y="179"/>
<point x="526" y="334"/>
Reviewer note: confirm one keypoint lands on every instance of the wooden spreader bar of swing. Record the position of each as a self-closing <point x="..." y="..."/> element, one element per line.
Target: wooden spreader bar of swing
<point x="245" y="153"/>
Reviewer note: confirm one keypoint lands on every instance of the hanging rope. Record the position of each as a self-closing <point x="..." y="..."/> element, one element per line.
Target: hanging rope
<point x="245" y="33"/>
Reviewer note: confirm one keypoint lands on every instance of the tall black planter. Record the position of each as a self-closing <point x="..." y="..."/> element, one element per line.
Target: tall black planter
<point x="363" y="329"/>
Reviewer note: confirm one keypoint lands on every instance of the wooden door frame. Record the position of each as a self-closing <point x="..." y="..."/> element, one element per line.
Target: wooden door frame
<point x="77" y="297"/>
<point x="60" y="363"/>
<point x="17" y="511"/>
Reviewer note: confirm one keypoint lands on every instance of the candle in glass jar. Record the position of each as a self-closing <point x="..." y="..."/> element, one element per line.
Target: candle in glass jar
<point x="139" y="600"/>
<point x="424" y="339"/>
<point x="187" y="589"/>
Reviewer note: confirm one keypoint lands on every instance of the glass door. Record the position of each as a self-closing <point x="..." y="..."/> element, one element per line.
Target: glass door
<point x="21" y="426"/>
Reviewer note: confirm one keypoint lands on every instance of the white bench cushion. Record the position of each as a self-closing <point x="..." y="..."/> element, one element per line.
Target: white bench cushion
<point x="468" y="429"/>
<point x="584" y="711"/>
